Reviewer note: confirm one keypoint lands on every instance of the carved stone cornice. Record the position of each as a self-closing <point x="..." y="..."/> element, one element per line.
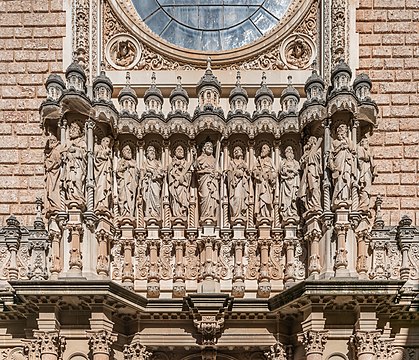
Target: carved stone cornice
<point x="314" y="341"/>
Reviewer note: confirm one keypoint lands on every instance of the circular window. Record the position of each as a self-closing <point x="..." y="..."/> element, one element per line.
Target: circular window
<point x="211" y="25"/>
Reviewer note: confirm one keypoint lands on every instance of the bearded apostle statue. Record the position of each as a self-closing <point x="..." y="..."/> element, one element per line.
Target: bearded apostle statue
<point x="152" y="175"/>
<point x="52" y="164"/>
<point x="179" y="178"/>
<point x="238" y="185"/>
<point x="126" y="179"/>
<point x="342" y="164"/>
<point x="208" y="183"/>
<point x="265" y="175"/>
<point x="367" y="172"/>
<point x="312" y="166"/>
<point x="103" y="175"/>
<point x="75" y="166"/>
<point x="289" y="185"/>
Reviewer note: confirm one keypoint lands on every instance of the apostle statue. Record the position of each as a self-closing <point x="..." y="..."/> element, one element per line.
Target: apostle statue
<point x="52" y="165"/>
<point x="103" y="175"/>
<point x="342" y="164"/>
<point x="75" y="166"/>
<point x="238" y="185"/>
<point x="265" y="175"/>
<point x="312" y="165"/>
<point x="179" y="177"/>
<point x="126" y="178"/>
<point x="367" y="172"/>
<point x="208" y="183"/>
<point x="289" y="185"/>
<point x="152" y="175"/>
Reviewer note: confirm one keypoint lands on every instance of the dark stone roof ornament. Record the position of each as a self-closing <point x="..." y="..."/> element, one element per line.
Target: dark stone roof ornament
<point x="179" y="91"/>
<point x="153" y="89"/>
<point x="208" y="79"/>
<point x="264" y="90"/>
<point x="238" y="89"/>
<point x="102" y="86"/>
<point x="76" y="77"/>
<point x="127" y="98"/>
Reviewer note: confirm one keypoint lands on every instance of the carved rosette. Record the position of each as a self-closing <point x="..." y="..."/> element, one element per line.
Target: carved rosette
<point x="100" y="342"/>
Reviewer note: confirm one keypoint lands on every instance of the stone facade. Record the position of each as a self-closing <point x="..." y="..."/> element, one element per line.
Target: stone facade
<point x="147" y="231"/>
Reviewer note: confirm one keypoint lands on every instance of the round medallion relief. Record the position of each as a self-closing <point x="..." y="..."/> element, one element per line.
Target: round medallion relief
<point x="123" y="51"/>
<point x="298" y="51"/>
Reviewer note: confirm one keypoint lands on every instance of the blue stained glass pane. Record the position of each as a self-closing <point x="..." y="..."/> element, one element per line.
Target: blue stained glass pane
<point x="158" y="21"/>
<point x="211" y="25"/>
<point x="145" y="8"/>
<point x="264" y="21"/>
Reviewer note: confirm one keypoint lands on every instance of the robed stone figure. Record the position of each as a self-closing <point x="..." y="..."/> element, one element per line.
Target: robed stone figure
<point x="75" y="160"/>
<point x="52" y="164"/>
<point x="152" y="175"/>
<point x="238" y="185"/>
<point x="179" y="178"/>
<point x="208" y="183"/>
<point x="265" y="175"/>
<point x="342" y="164"/>
<point x="103" y="175"/>
<point x="312" y="166"/>
<point x="126" y="178"/>
<point x="289" y="185"/>
<point x="367" y="172"/>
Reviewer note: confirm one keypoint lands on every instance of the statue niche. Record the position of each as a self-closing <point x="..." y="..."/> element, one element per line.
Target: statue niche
<point x="238" y="185"/>
<point x="265" y="175"/>
<point x="103" y="175"/>
<point x="75" y="167"/>
<point x="208" y="183"/>
<point x="152" y="175"/>
<point x="289" y="185"/>
<point x="179" y="178"/>
<point x="342" y="165"/>
<point x="52" y="164"/>
<point x="126" y="179"/>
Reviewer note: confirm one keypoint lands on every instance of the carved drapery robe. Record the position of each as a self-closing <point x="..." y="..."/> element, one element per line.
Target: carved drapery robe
<point x="53" y="178"/>
<point x="151" y="185"/>
<point x="238" y="184"/>
<point x="75" y="173"/>
<point x="288" y="190"/>
<point x="208" y="186"/>
<point x="103" y="177"/>
<point x="312" y="165"/>
<point x="126" y="177"/>
<point x="366" y="176"/>
<point x="265" y="176"/>
<point x="342" y="165"/>
<point x="179" y="178"/>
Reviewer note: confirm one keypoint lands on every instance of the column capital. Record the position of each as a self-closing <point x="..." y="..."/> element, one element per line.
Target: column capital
<point x="314" y="341"/>
<point x="136" y="351"/>
<point x="101" y="341"/>
<point x="365" y="342"/>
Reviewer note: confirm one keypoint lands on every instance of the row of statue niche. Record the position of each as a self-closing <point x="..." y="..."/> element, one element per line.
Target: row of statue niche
<point x="66" y="168"/>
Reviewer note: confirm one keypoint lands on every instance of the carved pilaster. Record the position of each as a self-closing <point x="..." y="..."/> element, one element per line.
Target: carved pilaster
<point x="56" y="265"/>
<point x="264" y="286"/>
<point x="314" y="343"/>
<point x="238" y="287"/>
<point x="13" y="236"/>
<point x="179" y="288"/>
<point x="76" y="234"/>
<point x="153" y="285"/>
<point x="314" y="260"/>
<point x="103" y="239"/>
<point x="100" y="343"/>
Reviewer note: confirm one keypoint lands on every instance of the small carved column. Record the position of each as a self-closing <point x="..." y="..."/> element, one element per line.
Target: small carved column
<point x="192" y="213"/>
<point x="290" y="265"/>
<point x="51" y="344"/>
<point x="179" y="288"/>
<point x="153" y="285"/>
<point x="104" y="239"/>
<point x="277" y="162"/>
<point x="63" y="138"/>
<point x="365" y="344"/>
<point x="362" y="256"/>
<point x="90" y="181"/>
<point x="100" y="343"/>
<point x="355" y="190"/>
<point x="264" y="286"/>
<point x="56" y="264"/>
<point x="251" y="211"/>
<point x="326" y="176"/>
<point x="314" y="261"/>
<point x="224" y="193"/>
<point x="75" y="263"/>
<point x="136" y="351"/>
<point x="166" y="215"/>
<point x="238" y="287"/>
<point x="12" y="237"/>
<point x="140" y="211"/>
<point x="341" y="262"/>
<point x="405" y="236"/>
<point x="314" y="343"/>
<point x="127" y="241"/>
